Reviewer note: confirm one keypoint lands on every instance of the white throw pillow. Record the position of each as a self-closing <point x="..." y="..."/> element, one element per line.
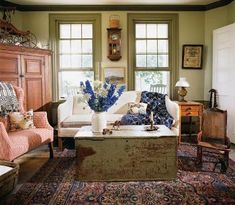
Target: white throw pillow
<point x="137" y="108"/>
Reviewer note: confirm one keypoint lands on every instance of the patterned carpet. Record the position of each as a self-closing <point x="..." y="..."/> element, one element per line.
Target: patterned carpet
<point x="54" y="184"/>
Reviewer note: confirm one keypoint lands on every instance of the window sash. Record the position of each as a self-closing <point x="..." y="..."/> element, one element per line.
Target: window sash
<point x="145" y="54"/>
<point x="148" y="18"/>
<point x="79" y="56"/>
<point x="55" y="19"/>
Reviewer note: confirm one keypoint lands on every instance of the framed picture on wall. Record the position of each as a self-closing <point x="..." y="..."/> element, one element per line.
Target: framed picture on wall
<point x="114" y="75"/>
<point x="192" y="56"/>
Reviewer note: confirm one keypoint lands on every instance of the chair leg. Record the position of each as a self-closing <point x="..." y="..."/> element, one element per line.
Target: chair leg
<point x="50" y="145"/>
<point x="199" y="155"/>
<point x="60" y="143"/>
<point x="225" y="164"/>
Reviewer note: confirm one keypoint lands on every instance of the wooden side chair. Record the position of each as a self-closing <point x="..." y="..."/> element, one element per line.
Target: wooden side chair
<point x="213" y="137"/>
<point x="159" y="88"/>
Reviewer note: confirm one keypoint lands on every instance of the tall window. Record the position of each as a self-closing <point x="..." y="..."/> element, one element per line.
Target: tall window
<point x="75" y="56"/>
<point x="75" y="40"/>
<point x="151" y="55"/>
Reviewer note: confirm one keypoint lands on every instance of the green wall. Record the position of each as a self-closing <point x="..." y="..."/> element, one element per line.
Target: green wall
<point x="194" y="28"/>
<point x="191" y="31"/>
<point x="214" y="19"/>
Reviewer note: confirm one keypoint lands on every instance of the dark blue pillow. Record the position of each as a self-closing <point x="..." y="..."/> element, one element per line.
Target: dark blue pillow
<point x="133" y="119"/>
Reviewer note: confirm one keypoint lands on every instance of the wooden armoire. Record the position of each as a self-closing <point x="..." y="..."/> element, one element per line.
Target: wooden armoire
<point x="29" y="68"/>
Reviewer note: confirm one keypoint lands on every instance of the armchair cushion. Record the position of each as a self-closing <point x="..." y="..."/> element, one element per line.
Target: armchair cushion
<point x="26" y="140"/>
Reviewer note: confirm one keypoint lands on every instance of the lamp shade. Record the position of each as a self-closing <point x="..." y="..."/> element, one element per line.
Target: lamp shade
<point x="182" y="83"/>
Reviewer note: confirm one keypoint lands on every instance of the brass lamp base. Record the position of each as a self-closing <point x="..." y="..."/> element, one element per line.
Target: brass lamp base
<point x="182" y="92"/>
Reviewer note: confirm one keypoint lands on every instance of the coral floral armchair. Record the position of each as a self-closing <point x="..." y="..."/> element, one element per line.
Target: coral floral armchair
<point x="16" y="143"/>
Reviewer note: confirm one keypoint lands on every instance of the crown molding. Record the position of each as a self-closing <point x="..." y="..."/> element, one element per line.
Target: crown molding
<point x="26" y="8"/>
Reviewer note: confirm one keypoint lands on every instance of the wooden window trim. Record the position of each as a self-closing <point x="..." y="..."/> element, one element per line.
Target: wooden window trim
<point x="54" y="21"/>
<point x="172" y="20"/>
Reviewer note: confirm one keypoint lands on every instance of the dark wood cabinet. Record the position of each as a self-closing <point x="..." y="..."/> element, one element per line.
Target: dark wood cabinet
<point x="30" y="69"/>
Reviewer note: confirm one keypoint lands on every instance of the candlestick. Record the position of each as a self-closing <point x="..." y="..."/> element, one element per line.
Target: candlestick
<point x="151" y="116"/>
<point x="151" y="121"/>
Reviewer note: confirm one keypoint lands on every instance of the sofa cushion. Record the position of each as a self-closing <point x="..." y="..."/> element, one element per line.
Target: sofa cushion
<point x="68" y="131"/>
<point x="84" y="119"/>
<point x="80" y="107"/>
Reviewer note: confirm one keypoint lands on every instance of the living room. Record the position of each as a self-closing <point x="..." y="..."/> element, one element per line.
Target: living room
<point x="138" y="44"/>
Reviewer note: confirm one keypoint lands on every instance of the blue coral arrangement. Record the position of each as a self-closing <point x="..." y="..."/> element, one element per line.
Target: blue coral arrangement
<point x="101" y="96"/>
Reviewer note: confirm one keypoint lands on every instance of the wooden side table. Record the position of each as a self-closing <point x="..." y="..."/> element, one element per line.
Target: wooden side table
<point x="190" y="109"/>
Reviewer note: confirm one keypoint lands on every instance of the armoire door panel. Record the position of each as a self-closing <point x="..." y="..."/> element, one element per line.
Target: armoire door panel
<point x="9" y="64"/>
<point x="34" y="93"/>
<point x="33" y="65"/>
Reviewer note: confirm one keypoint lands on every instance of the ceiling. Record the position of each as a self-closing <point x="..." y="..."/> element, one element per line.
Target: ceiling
<point x="112" y="2"/>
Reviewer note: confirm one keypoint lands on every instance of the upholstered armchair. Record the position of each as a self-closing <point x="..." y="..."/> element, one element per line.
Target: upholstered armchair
<point x="16" y="143"/>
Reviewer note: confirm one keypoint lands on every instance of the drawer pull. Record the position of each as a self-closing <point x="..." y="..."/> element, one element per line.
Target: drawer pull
<point x="188" y="109"/>
<point x="188" y="113"/>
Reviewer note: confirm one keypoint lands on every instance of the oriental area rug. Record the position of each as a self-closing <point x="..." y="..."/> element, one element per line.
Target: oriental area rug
<point x="55" y="184"/>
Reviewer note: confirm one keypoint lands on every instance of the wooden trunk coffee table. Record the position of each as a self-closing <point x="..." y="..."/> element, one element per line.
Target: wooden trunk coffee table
<point x="130" y="154"/>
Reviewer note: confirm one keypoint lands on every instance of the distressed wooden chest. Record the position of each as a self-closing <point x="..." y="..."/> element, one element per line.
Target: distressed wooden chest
<point x="127" y="155"/>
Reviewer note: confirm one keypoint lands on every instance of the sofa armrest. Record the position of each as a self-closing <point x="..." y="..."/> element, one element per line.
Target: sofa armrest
<point x="174" y="110"/>
<point x="40" y="120"/>
<point x="65" y="110"/>
<point x="5" y="143"/>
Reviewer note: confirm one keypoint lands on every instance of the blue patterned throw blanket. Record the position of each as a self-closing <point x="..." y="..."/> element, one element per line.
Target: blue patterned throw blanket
<point x="156" y="104"/>
<point x="8" y="99"/>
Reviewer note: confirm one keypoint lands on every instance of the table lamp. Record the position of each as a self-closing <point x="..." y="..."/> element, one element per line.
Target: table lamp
<point x="182" y="84"/>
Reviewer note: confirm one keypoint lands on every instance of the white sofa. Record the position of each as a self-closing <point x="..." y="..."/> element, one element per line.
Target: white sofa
<point x="72" y="115"/>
